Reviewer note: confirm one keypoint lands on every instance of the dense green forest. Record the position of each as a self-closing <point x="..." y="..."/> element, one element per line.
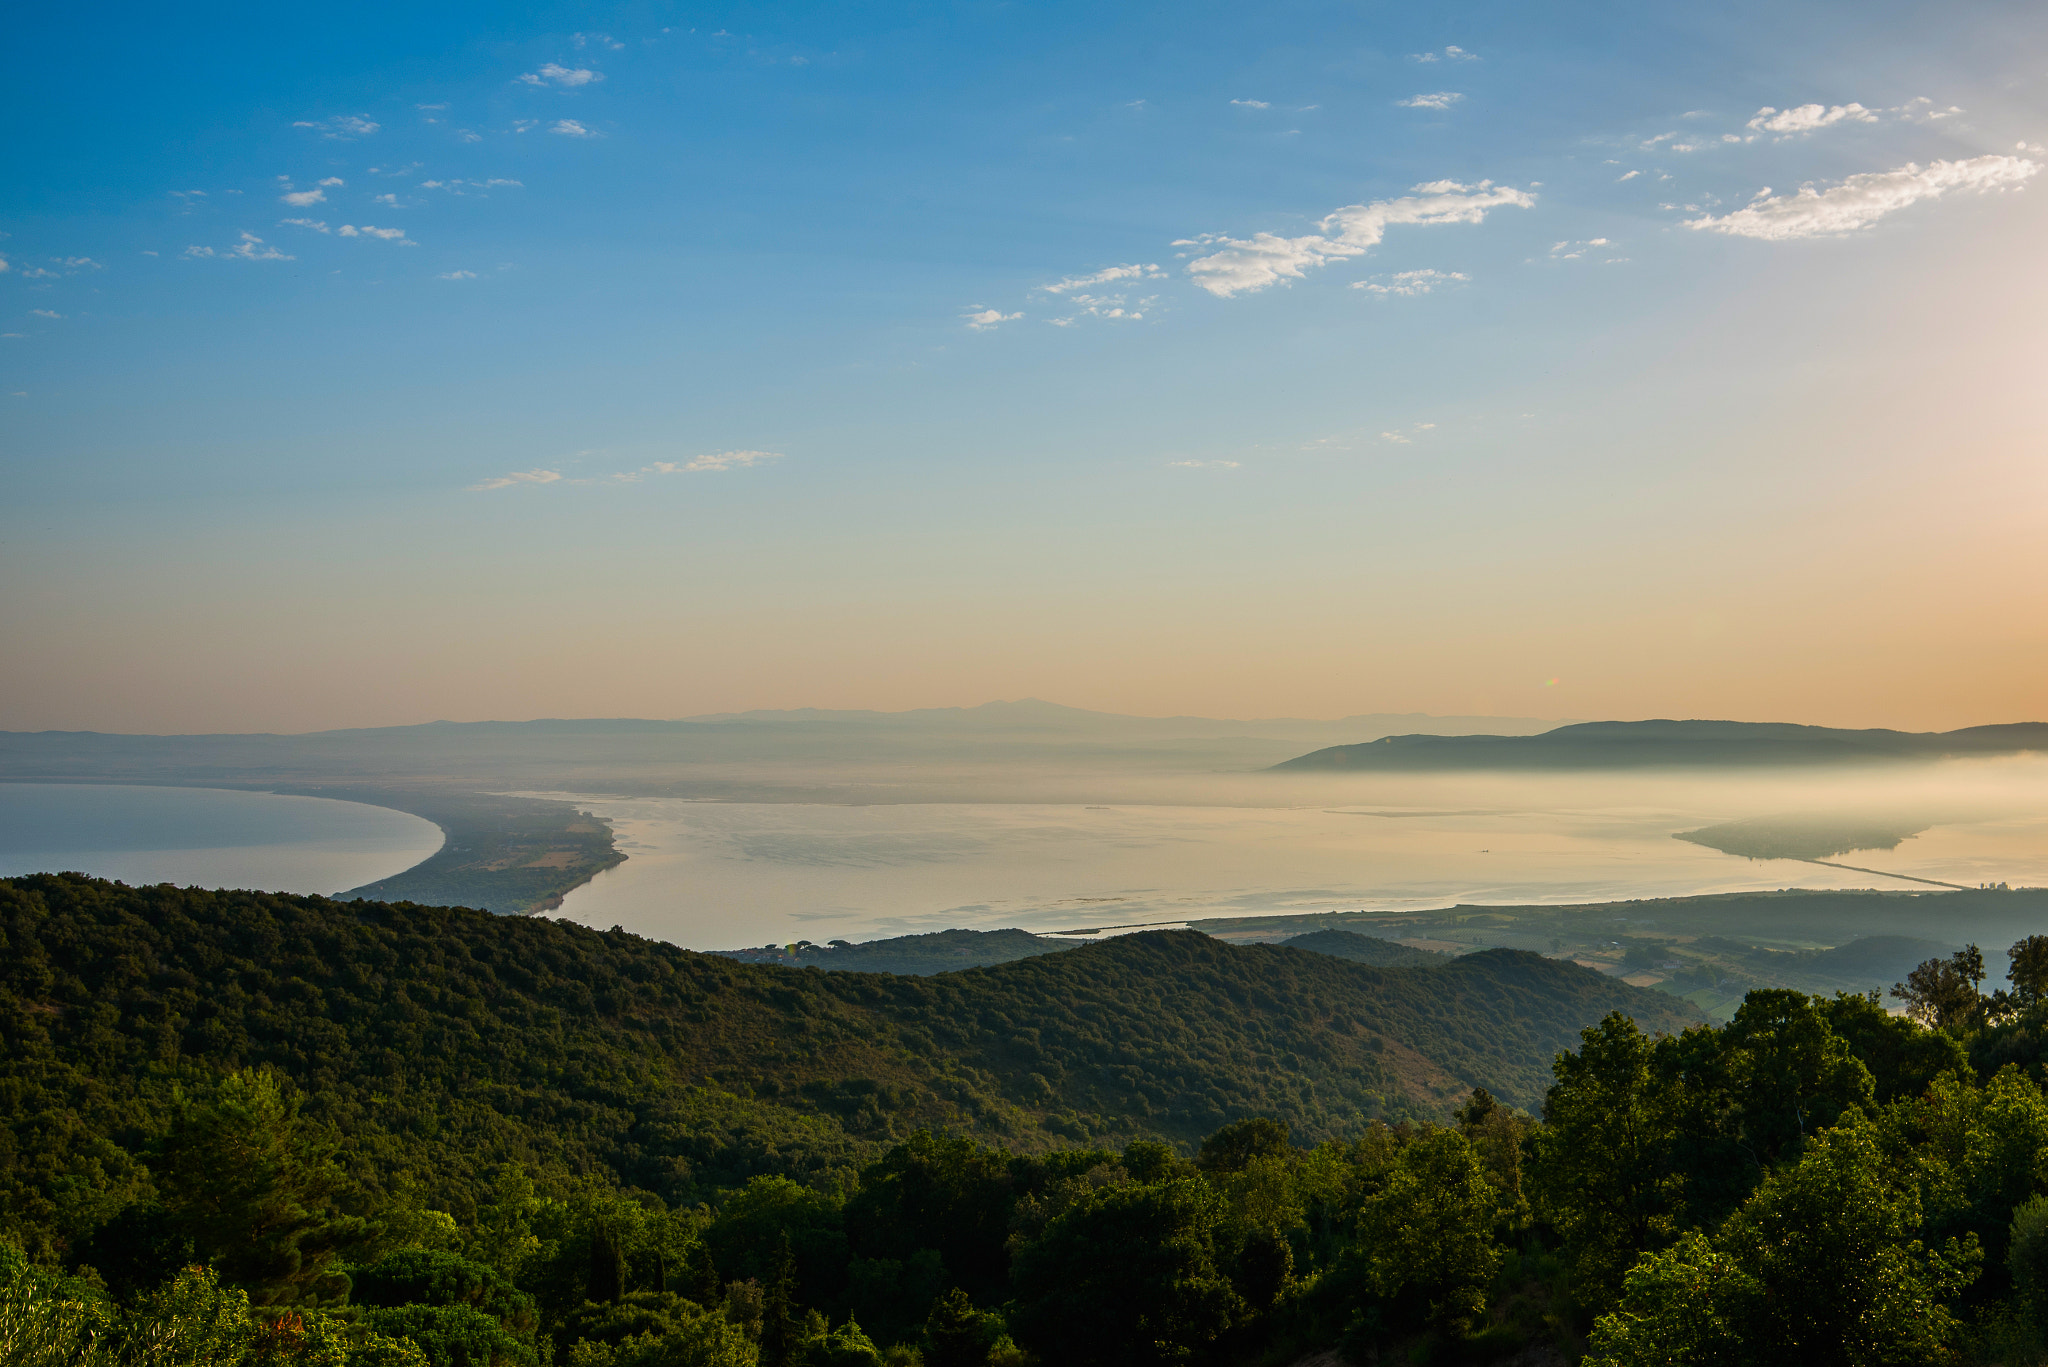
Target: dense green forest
<point x="266" y="1129"/>
<point x="947" y="950"/>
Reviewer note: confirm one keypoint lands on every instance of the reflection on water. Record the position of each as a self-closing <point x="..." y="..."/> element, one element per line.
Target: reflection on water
<point x="206" y="837"/>
<point x="718" y="875"/>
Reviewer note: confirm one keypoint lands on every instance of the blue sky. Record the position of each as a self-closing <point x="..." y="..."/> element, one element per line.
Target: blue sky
<point x="1282" y="358"/>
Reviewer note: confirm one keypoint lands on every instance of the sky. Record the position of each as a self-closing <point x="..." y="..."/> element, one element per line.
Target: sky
<point x="394" y="363"/>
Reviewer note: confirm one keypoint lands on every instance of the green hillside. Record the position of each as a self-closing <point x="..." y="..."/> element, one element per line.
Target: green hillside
<point x="442" y="1040"/>
<point x="249" y="1130"/>
<point x="1364" y="949"/>
<point x="940" y="951"/>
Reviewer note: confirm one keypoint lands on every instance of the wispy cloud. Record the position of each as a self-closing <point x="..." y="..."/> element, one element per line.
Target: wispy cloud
<point x="1085" y="298"/>
<point x="1253" y="104"/>
<point x="1204" y="465"/>
<point x="710" y="463"/>
<point x="1626" y="175"/>
<point x="1441" y="99"/>
<point x="1452" y="53"/>
<point x="46" y="313"/>
<point x="344" y="127"/>
<point x="456" y="275"/>
<point x="555" y="74"/>
<point x="301" y="199"/>
<point x="59" y="267"/>
<point x="1862" y="200"/>
<point x="250" y="248"/>
<point x="598" y="40"/>
<point x="472" y="187"/>
<point x="1411" y="283"/>
<point x="315" y="224"/>
<point x="985" y="320"/>
<point x="1806" y="118"/>
<point x="1109" y="275"/>
<point x="516" y="478"/>
<point x="717" y="460"/>
<point x="1243" y="265"/>
<point x="1573" y="251"/>
<point x="385" y="234"/>
<point x="1920" y="109"/>
<point x="569" y="128"/>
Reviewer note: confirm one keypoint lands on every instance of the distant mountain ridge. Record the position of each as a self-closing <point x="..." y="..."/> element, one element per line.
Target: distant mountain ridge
<point x="1672" y="744"/>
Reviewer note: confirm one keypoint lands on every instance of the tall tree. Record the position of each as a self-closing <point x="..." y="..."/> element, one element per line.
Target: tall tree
<point x="254" y="1186"/>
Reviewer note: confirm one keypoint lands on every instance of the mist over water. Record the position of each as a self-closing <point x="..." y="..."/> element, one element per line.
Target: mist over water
<point x="1160" y="848"/>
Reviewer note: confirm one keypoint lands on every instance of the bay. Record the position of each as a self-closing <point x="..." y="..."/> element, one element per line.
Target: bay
<point x="207" y="837"/>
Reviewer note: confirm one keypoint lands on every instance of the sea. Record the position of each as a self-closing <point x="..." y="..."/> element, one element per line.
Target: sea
<point x="206" y="837"/>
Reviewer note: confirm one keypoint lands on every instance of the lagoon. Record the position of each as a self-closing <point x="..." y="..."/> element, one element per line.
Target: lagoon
<point x="208" y="837"/>
<point x="710" y="875"/>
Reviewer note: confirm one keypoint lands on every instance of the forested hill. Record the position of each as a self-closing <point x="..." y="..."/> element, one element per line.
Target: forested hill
<point x="439" y="1041"/>
<point x="1674" y="744"/>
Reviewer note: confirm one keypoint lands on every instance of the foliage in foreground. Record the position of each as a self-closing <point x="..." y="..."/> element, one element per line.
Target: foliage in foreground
<point x="1815" y="1182"/>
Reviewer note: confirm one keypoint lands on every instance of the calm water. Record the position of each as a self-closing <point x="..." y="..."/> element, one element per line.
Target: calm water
<point x="209" y="837"/>
<point x="719" y="875"/>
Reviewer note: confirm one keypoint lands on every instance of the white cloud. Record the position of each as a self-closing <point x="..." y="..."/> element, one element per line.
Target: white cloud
<point x="464" y="135"/>
<point x="1411" y="283"/>
<point x="1920" y="109"/>
<point x="982" y="320"/>
<point x="555" y="74"/>
<point x="250" y="248"/>
<point x="599" y="40"/>
<point x="517" y="477"/>
<point x="1252" y="104"/>
<point x="464" y="187"/>
<point x="718" y="460"/>
<point x="1442" y="99"/>
<point x="342" y="126"/>
<point x="4" y="267"/>
<point x="315" y="224"/>
<point x="387" y="234"/>
<point x="1145" y="271"/>
<point x="303" y="199"/>
<point x="1242" y="265"/>
<point x="1394" y="437"/>
<point x="1806" y="118"/>
<point x="1203" y="465"/>
<point x="456" y="275"/>
<point x="46" y="313"/>
<point x="388" y="201"/>
<point x="1573" y="251"/>
<point x="38" y="273"/>
<point x="569" y="128"/>
<point x="1862" y="200"/>
<point x="1627" y="175"/>
<point x="430" y="108"/>
<point x="404" y="170"/>
<point x="1105" y="306"/>
<point x="1452" y="53"/>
